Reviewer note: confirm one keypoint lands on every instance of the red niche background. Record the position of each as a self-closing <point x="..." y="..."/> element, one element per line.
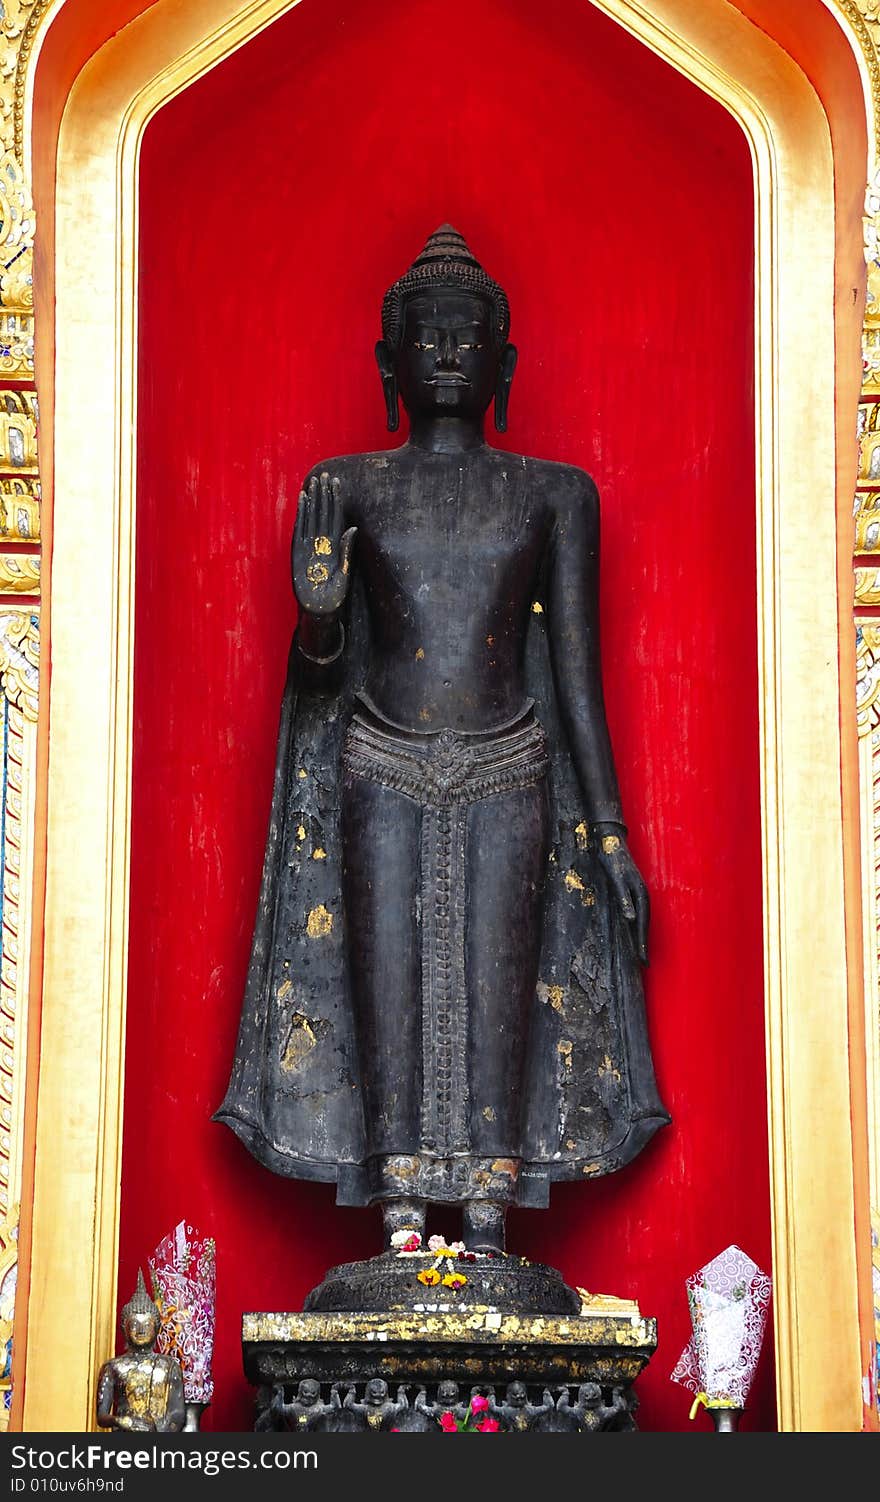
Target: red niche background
<point x="279" y="197"/>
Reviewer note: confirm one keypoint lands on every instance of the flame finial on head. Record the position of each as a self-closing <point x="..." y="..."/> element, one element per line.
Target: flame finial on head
<point x="445" y="262"/>
<point x="140" y="1303"/>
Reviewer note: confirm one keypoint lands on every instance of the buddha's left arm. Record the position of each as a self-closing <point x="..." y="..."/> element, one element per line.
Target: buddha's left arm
<point x="175" y="1414"/>
<point x="573" y="619"/>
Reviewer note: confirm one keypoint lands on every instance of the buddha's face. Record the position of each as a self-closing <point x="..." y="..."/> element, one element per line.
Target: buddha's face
<point x="309" y="1392"/>
<point x="140" y="1329"/>
<point x="590" y="1394"/>
<point x="448" y="360"/>
<point x="377" y="1390"/>
<point x="447" y="1392"/>
<point x="516" y="1394"/>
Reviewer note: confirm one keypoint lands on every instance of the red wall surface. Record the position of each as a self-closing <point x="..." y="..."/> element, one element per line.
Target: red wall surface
<point x="280" y="195"/>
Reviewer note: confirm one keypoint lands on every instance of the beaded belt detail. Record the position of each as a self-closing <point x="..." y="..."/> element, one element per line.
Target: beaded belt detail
<point x="446" y="768"/>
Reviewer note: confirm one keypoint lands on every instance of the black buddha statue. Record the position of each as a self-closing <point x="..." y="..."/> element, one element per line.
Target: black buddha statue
<point x="444" y="1001"/>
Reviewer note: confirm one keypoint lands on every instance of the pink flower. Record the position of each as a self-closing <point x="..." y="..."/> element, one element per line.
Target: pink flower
<point x="406" y="1240"/>
<point x="489" y="1426"/>
<point x="435" y="1243"/>
<point x="479" y="1404"/>
<point x="448" y="1424"/>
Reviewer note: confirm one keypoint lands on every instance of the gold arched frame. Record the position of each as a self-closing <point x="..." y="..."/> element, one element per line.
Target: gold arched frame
<point x="79" y="1118"/>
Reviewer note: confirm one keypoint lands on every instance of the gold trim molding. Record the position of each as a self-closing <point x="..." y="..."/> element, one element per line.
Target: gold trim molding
<point x="76" y="1197"/>
<point x="864" y="18"/>
<point x="868" y="696"/>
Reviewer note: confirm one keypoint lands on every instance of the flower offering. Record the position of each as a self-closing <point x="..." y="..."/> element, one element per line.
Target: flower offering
<point x="728" y="1301"/>
<point x="183" y="1274"/>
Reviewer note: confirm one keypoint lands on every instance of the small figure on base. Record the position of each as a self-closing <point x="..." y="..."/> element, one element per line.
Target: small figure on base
<point x="516" y="1412"/>
<point x="306" y="1408"/>
<point x="378" y="1409"/>
<point x="593" y="1413"/>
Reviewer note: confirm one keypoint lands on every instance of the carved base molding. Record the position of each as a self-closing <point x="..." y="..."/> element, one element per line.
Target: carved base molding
<point x="587" y="1408"/>
<point x="404" y="1369"/>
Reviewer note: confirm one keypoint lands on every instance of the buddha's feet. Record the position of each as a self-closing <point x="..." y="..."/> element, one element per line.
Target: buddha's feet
<point x="482" y="1223"/>
<point x="402" y="1215"/>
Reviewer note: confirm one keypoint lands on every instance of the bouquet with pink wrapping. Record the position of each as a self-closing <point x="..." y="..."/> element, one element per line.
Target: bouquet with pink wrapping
<point x="184" y="1278"/>
<point x="728" y="1300"/>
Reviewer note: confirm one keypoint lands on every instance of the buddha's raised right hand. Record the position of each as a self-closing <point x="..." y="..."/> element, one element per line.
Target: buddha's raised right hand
<point x="321" y="550"/>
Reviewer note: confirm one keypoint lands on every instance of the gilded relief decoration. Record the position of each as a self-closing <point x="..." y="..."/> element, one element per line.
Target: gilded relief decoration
<point x="867" y="676"/>
<point x="20" y="21"/>
<point x="8" y="1279"/>
<point x="19" y="678"/>
<point x="19" y="574"/>
<point x="867" y="585"/>
<point x="18" y="431"/>
<point x="16" y="277"/>
<point x="19" y="509"/>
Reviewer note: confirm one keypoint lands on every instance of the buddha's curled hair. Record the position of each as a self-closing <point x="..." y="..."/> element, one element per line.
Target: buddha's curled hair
<point x="445" y="262"/>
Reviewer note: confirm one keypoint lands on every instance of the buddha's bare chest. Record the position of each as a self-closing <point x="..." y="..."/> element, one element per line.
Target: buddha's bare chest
<point x="433" y="538"/>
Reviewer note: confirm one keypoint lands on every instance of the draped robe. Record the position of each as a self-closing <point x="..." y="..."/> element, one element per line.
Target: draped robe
<point x="590" y="1100"/>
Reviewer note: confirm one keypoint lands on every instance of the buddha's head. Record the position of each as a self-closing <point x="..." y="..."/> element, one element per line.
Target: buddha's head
<point x="140" y="1318"/>
<point x="590" y="1394"/>
<point x="308" y="1392"/>
<point x="517" y="1394"/>
<point x="447" y="1394"/>
<point x="444" y="350"/>
<point x="377" y="1390"/>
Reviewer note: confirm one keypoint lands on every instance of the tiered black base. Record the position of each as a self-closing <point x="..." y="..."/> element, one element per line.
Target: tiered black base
<point x="405" y="1368"/>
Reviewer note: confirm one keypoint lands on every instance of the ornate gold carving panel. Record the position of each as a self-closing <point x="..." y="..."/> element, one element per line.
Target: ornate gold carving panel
<point x="19" y="677"/>
<point x="19" y="509"/>
<point x="20" y="21"/>
<point x="19" y="574"/>
<point x="867" y="585"/>
<point x="18" y="432"/>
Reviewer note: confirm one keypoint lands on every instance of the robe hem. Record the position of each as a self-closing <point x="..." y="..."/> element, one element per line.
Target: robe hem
<point x="353" y="1179"/>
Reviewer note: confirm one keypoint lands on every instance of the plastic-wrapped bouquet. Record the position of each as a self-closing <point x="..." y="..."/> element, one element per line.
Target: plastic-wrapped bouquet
<point x="728" y="1300"/>
<point x="184" y="1278"/>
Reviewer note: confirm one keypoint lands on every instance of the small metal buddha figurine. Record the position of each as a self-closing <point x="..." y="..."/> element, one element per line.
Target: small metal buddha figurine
<point x="141" y="1390"/>
<point x="444" y="1002"/>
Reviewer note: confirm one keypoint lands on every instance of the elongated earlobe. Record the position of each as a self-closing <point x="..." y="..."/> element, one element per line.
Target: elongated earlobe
<point x="506" y="368"/>
<point x="385" y="363"/>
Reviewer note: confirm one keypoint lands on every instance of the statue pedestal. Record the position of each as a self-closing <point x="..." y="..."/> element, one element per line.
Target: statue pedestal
<point x="607" y="1344"/>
